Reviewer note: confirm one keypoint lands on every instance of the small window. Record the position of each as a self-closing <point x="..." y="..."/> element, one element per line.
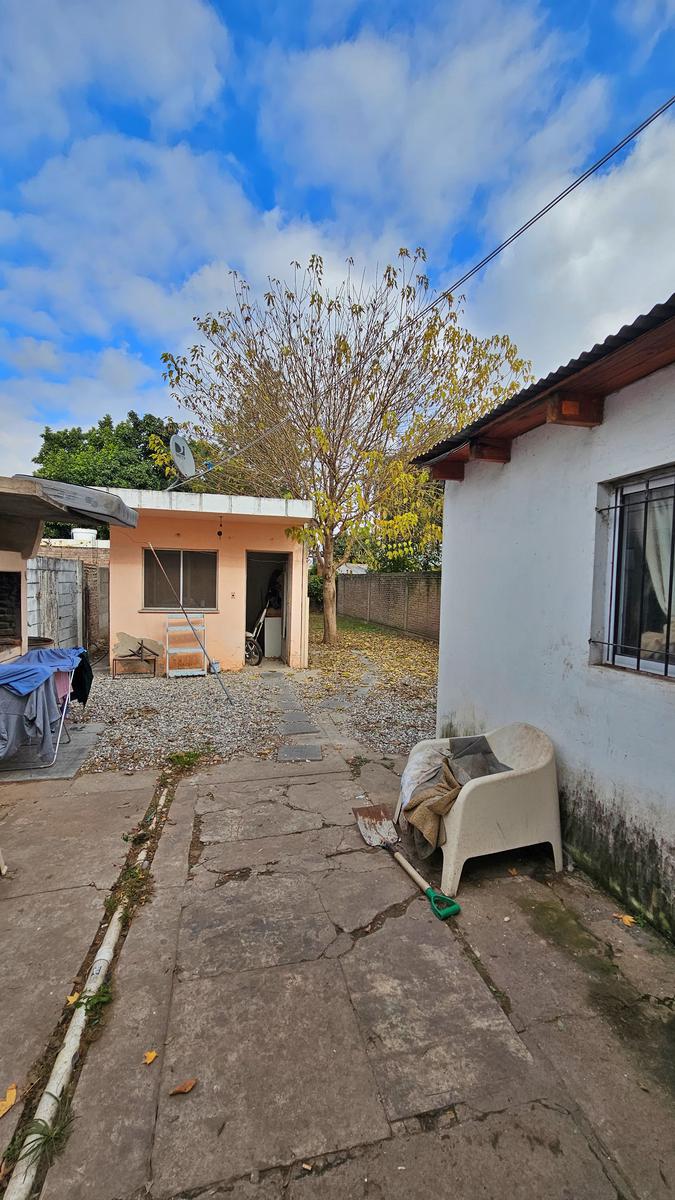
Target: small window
<point x="188" y="574"/>
<point x="642" y="617"/>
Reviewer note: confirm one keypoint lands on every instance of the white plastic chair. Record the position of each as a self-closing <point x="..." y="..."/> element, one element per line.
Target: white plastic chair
<point x="514" y="808"/>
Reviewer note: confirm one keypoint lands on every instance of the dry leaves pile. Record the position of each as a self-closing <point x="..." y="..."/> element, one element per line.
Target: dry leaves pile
<point x="384" y="680"/>
<point x="363" y="649"/>
<point x="9" y="1100"/>
<point x="624" y="919"/>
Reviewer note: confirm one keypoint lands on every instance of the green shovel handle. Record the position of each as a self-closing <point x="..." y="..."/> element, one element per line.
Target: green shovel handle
<point x="442" y="906"/>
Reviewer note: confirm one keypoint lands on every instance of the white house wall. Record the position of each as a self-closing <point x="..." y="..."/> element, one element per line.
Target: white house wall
<point x="516" y="618"/>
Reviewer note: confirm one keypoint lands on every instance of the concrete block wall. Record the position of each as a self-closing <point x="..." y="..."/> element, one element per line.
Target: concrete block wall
<point x="409" y="601"/>
<point x="96" y="601"/>
<point x="54" y="600"/>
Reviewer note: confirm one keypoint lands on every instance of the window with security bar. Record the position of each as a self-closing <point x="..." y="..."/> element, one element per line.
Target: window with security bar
<point x="642" y="613"/>
<point x="189" y="575"/>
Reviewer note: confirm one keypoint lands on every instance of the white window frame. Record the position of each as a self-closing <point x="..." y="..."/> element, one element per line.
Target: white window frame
<point x="629" y="661"/>
<point x="172" y="607"/>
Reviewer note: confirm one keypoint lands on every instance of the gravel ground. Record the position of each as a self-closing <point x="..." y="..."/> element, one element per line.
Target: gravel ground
<point x="379" y="687"/>
<point x="389" y="720"/>
<point x="378" y="684"/>
<point x="148" y="719"/>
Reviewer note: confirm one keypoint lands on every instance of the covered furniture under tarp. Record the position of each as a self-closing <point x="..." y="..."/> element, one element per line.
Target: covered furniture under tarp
<point x="27" y="502"/>
<point x="35" y="690"/>
<point x="517" y="805"/>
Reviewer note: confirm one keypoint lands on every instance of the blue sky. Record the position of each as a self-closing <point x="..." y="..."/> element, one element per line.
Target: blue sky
<point x="148" y="146"/>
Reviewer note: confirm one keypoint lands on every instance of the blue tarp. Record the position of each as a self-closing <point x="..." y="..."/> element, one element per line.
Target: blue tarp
<point x="24" y="674"/>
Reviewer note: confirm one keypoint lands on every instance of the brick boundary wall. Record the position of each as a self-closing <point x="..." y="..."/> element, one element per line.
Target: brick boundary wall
<point x="409" y="600"/>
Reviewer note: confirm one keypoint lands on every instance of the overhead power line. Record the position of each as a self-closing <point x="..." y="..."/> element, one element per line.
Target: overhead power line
<point x="571" y="187"/>
<point x="488" y="258"/>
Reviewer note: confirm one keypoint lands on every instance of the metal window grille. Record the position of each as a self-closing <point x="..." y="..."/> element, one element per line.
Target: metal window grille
<point x="641" y="618"/>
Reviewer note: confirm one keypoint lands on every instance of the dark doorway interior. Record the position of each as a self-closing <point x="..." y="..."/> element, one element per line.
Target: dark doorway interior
<point x="10" y="610"/>
<point x="266" y="582"/>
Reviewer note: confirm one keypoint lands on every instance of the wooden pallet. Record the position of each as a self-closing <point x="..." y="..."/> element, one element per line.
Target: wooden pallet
<point x="182" y="647"/>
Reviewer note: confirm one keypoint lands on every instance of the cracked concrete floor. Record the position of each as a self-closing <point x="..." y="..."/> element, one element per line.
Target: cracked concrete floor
<point x="348" y="1044"/>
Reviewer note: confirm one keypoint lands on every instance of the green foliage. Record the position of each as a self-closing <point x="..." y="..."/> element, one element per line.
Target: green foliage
<point x="41" y="1141"/>
<point x="315" y="589"/>
<point x="184" y="760"/>
<point x="94" y="1003"/>
<point x="106" y="455"/>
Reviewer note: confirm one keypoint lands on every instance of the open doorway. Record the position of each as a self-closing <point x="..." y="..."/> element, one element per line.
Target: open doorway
<point x="268" y="585"/>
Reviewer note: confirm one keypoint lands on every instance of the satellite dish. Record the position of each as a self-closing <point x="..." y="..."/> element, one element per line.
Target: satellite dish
<point x="181" y="455"/>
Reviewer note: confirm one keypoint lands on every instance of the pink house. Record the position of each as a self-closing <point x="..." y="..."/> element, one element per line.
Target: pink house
<point x="221" y="555"/>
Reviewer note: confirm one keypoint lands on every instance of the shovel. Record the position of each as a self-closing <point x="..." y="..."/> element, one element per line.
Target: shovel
<point x="378" y="829"/>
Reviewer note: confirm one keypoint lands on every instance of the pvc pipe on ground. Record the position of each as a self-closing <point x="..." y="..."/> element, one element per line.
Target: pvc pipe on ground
<point x="23" y="1176"/>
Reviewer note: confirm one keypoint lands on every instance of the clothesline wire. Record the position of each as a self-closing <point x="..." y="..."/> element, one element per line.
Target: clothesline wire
<point x="447" y="293"/>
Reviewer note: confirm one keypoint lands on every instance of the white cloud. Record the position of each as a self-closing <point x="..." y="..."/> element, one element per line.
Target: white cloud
<point x="130" y="237"/>
<point x="648" y="20"/>
<point x="598" y="260"/>
<point x="128" y="240"/>
<point x="416" y="123"/>
<point x="165" y="57"/>
<point x="111" y="381"/>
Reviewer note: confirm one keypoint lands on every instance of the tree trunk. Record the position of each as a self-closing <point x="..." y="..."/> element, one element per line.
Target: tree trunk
<point x="330" y="636"/>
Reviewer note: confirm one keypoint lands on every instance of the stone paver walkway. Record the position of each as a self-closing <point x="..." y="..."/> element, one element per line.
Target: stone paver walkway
<point x="345" y="1042"/>
<point x="62" y="840"/>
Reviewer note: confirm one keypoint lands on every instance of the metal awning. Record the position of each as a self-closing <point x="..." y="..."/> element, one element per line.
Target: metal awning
<point x="26" y="503"/>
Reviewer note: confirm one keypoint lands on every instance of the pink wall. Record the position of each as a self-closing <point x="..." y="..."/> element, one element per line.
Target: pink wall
<point x="195" y="531"/>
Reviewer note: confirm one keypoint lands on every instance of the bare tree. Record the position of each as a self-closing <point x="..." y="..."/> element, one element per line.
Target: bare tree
<point x="327" y="393"/>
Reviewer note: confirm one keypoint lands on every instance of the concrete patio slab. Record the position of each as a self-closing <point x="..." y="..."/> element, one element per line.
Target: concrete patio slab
<point x="261" y="921"/>
<point x="43" y="939"/>
<point x="108" y="1152"/>
<point x="504" y="1053"/>
<point x="332" y="800"/>
<point x="289" y="754"/>
<point x="435" y="1035"/>
<point x="258" y="770"/>
<point x="241" y="795"/>
<point x="64" y="850"/>
<point x="534" y="1152"/>
<point x="257" y="820"/>
<point x="69" y="840"/>
<point x="282" y="1075"/>
<point x="295" y="851"/>
<point x="72" y="755"/>
<point x="623" y="1087"/>
<point x="358" y="891"/>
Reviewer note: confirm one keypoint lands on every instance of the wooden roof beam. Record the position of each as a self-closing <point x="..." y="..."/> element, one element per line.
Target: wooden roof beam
<point x="496" y="450"/>
<point x="566" y="408"/>
<point x="446" y="468"/>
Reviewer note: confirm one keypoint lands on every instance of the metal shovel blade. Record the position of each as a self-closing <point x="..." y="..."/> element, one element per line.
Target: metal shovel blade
<point x="376" y="826"/>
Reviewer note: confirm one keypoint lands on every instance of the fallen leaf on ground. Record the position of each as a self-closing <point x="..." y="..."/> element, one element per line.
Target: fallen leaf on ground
<point x="183" y="1088"/>
<point x="149" y="1057"/>
<point x="513" y="871"/>
<point x="71" y="999"/>
<point x="9" y="1100"/>
<point x="624" y="918"/>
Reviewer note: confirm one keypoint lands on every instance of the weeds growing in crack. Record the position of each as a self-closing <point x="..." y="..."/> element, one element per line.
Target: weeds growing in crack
<point x="95" y="1003"/>
<point x="41" y="1142"/>
<point x="355" y="764"/>
<point x="184" y="760"/>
